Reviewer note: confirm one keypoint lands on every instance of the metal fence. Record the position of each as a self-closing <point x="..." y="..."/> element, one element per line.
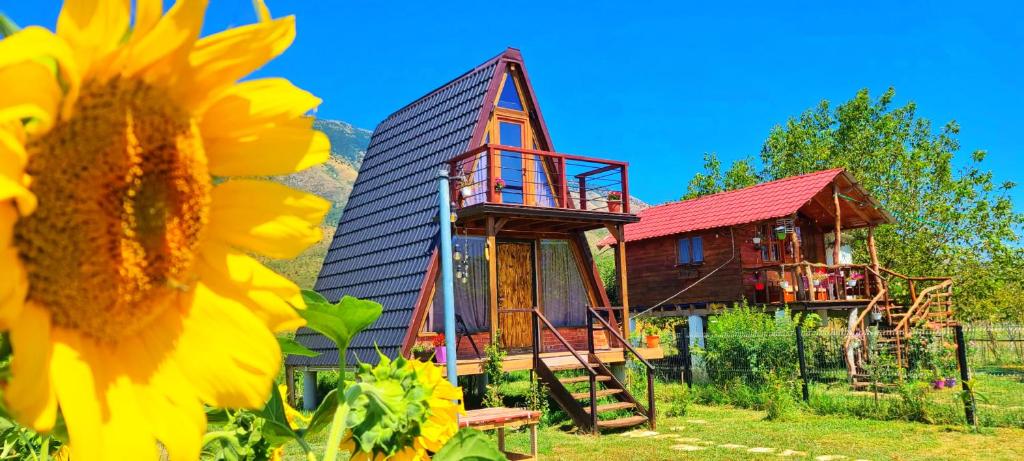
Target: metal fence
<point x="867" y="376"/>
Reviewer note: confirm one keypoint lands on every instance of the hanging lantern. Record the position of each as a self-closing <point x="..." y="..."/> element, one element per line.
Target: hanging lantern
<point x="466" y="191"/>
<point x="757" y="240"/>
<point x="457" y="255"/>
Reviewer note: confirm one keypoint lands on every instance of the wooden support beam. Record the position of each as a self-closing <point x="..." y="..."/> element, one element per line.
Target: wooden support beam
<point x="492" y="276"/>
<point x="289" y="377"/>
<point x="873" y="252"/>
<point x="499" y="224"/>
<point x="621" y="276"/>
<point x="839" y="226"/>
<point x="423" y="300"/>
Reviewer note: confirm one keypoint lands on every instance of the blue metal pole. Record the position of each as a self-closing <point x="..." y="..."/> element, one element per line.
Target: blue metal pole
<point x="447" y="278"/>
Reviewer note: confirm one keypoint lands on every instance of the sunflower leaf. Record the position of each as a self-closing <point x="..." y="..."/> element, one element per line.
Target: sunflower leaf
<point x="290" y="346"/>
<point x="470" y="445"/>
<point x="275" y="425"/>
<point x="324" y="414"/>
<point x="7" y="26"/>
<point x="342" y="321"/>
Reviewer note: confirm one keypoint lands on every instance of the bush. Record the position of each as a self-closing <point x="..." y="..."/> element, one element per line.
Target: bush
<point x="679" y="402"/>
<point x="777" y="399"/>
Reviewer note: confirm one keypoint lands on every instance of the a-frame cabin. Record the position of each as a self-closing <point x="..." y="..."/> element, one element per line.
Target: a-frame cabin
<point x="522" y="263"/>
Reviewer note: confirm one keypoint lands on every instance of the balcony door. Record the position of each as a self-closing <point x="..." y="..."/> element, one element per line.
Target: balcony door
<point x="512" y="132"/>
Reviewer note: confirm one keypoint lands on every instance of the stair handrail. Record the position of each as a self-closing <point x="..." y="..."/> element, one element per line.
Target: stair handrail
<point x="919" y="303"/>
<point x="591" y="314"/>
<point x="859" y="323"/>
<point x="538" y="318"/>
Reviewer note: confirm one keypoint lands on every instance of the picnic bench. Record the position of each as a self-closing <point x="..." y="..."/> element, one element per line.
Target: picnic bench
<point x="502" y="418"/>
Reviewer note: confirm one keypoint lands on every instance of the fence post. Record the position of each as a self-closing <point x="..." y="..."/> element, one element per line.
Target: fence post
<point x="803" y="360"/>
<point x="683" y="344"/>
<point x="965" y="375"/>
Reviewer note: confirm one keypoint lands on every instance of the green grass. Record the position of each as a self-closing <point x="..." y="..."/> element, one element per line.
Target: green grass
<point x="813" y="434"/>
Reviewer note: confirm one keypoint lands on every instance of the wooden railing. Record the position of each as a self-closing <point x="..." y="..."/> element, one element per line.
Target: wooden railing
<point x="591" y="316"/>
<point x="538" y="364"/>
<point x="807" y="281"/>
<point x="512" y="175"/>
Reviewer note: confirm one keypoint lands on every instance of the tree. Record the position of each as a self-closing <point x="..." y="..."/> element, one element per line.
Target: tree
<point x="950" y="220"/>
<point x="741" y="174"/>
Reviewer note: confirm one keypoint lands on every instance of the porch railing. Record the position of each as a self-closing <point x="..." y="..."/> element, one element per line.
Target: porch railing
<point x="807" y="281"/>
<point x="512" y="175"/>
<point x="538" y="339"/>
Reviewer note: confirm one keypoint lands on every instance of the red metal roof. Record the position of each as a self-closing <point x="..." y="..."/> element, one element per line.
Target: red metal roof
<point x="768" y="200"/>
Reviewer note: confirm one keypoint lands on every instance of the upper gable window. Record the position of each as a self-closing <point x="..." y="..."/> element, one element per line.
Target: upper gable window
<point x="509" y="97"/>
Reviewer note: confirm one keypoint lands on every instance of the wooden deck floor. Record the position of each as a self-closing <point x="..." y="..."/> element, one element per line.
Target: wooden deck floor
<point x="524" y="361"/>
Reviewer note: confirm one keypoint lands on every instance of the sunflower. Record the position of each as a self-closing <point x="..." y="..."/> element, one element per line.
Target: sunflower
<point x="418" y="396"/>
<point x="126" y="287"/>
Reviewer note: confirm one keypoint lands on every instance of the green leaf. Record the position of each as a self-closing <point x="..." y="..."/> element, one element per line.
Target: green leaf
<point x="7" y="27"/>
<point x="342" y="321"/>
<point x="471" y="445"/>
<point x="275" y="425"/>
<point x="290" y="346"/>
<point x="324" y="413"/>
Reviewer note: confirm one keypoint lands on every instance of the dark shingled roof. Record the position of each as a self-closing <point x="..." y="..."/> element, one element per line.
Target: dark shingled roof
<point x="388" y="230"/>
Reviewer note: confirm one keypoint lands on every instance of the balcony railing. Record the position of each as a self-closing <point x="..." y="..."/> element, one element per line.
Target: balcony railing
<point x="512" y="175"/>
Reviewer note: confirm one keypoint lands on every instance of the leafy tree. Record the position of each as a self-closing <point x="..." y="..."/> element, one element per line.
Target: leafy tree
<point x="741" y="173"/>
<point x="950" y="220"/>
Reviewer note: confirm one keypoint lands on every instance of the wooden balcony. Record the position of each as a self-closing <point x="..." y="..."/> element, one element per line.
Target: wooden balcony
<point x="530" y="187"/>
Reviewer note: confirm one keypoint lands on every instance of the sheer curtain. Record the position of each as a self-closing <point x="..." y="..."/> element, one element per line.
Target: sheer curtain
<point x="563" y="293"/>
<point x="471" y="296"/>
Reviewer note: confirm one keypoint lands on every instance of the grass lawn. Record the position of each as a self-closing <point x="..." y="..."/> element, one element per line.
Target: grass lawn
<point x="707" y="427"/>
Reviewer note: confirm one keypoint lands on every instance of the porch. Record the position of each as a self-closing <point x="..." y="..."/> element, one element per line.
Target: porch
<point x="522" y="361"/>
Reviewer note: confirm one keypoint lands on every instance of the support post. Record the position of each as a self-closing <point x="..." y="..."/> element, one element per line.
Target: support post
<point x="447" y="277"/>
<point x="965" y="375"/>
<point x="492" y="277"/>
<point x="289" y="378"/>
<point x="696" y="338"/>
<point x="803" y="359"/>
<point x="621" y="275"/>
<point x="839" y="230"/>
<point x="309" y="397"/>
<point x="873" y="253"/>
<point x="683" y="344"/>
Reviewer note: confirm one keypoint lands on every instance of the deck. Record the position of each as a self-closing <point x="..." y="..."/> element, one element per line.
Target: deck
<point x="524" y="360"/>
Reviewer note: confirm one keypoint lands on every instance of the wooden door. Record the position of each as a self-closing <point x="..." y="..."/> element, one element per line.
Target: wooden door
<point x="515" y="291"/>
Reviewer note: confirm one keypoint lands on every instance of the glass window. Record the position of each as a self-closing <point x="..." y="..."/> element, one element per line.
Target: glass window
<point x="511" y="134"/>
<point x="684" y="251"/>
<point x="509" y="97"/>
<point x="697" y="246"/>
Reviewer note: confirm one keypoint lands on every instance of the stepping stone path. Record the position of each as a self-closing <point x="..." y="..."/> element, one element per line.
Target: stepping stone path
<point x="638" y="434"/>
<point x="761" y="450"/>
<point x="696" y="421"/>
<point x="829" y="458"/>
<point x="688" y="439"/>
<point x="685" y="447"/>
<point x="793" y="453"/>
<point x="732" y="446"/>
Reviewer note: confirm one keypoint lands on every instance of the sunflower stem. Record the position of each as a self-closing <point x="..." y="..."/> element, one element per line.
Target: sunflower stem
<point x="44" y="451"/>
<point x="337" y="429"/>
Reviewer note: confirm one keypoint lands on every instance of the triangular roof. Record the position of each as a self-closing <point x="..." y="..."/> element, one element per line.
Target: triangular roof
<point x="388" y="232"/>
<point x="769" y="200"/>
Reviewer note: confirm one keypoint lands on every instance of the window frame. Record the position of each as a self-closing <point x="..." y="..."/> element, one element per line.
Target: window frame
<point x="691" y="256"/>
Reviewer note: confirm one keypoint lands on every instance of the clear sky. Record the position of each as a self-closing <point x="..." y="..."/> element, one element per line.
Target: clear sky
<point x="659" y="84"/>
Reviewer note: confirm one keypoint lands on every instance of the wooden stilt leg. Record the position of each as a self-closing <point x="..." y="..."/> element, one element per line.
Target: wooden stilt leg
<point x="501" y="439"/>
<point x="533" y="441"/>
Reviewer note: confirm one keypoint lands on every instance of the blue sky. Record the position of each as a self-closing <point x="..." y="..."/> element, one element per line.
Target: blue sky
<point x="659" y="84"/>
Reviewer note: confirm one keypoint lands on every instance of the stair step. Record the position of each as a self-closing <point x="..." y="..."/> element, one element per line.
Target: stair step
<point x="574" y="365"/>
<point x="583" y="379"/>
<point x="600" y="393"/>
<point x="610" y="407"/>
<point x="622" y="422"/>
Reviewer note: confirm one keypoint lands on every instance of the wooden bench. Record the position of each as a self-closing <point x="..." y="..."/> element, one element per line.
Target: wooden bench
<point x="502" y="418"/>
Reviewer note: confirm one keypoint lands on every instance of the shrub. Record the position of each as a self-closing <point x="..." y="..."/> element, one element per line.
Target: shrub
<point x="679" y="402"/>
<point x="777" y="399"/>
<point x="494" y="369"/>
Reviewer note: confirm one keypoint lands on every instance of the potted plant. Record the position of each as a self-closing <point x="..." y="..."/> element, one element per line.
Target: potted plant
<point x="422" y="352"/>
<point x="876" y="314"/>
<point x="499" y="185"/>
<point x="651" y="335"/>
<point x="440" y="351"/>
<point x="756" y="240"/>
<point x="938" y="382"/>
<point x="614" y="201"/>
<point x="950" y="382"/>
<point x="780" y="233"/>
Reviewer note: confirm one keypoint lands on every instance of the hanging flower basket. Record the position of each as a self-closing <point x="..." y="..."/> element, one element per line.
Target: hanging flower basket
<point x="780" y="233"/>
<point x="499" y="184"/>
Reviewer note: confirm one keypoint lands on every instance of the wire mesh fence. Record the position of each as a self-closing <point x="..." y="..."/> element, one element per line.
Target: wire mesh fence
<point x="880" y="374"/>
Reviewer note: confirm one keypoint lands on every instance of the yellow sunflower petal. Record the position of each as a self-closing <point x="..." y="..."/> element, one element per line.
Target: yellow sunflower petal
<point x="33" y="43"/>
<point x="249" y="107"/>
<point x="278" y="150"/>
<point x="147" y="14"/>
<point x="225" y="352"/>
<point x="220" y="60"/>
<point x="270" y="296"/>
<point x="75" y="383"/>
<point x="30" y="394"/>
<point x="30" y="90"/>
<point x="159" y="53"/>
<point x="93" y="28"/>
<point x="174" y="410"/>
<point x="14" y="283"/>
<point x="285" y="223"/>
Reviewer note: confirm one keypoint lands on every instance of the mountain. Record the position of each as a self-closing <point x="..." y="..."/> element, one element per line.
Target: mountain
<point x="333" y="181"/>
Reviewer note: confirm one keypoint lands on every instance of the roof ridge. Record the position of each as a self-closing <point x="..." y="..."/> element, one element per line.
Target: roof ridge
<point x="733" y="191"/>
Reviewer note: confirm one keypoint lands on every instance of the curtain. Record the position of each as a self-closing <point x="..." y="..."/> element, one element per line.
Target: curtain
<point x="563" y="293"/>
<point x="470" y="291"/>
<point x="477" y="184"/>
<point x="543" y="192"/>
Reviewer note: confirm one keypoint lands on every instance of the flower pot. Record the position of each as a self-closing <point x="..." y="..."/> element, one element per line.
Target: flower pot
<point x="784" y="285"/>
<point x="938" y="384"/>
<point x="756" y="240"/>
<point x="614" y="206"/>
<point x="780" y="236"/>
<point x="653" y="341"/>
<point x="851" y="283"/>
<point x="759" y="286"/>
<point x="441" y="354"/>
<point x="789" y="296"/>
<point x="950" y="382"/>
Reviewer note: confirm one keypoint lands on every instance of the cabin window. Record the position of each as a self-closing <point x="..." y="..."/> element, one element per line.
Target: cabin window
<point x="563" y="295"/>
<point x="512" y="167"/>
<point x="471" y="291"/>
<point x="509" y="97"/>
<point x="771" y="247"/>
<point x="691" y="250"/>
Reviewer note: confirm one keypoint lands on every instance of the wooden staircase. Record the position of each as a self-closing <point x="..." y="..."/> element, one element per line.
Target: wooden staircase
<point x="930" y="307"/>
<point x="585" y="388"/>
